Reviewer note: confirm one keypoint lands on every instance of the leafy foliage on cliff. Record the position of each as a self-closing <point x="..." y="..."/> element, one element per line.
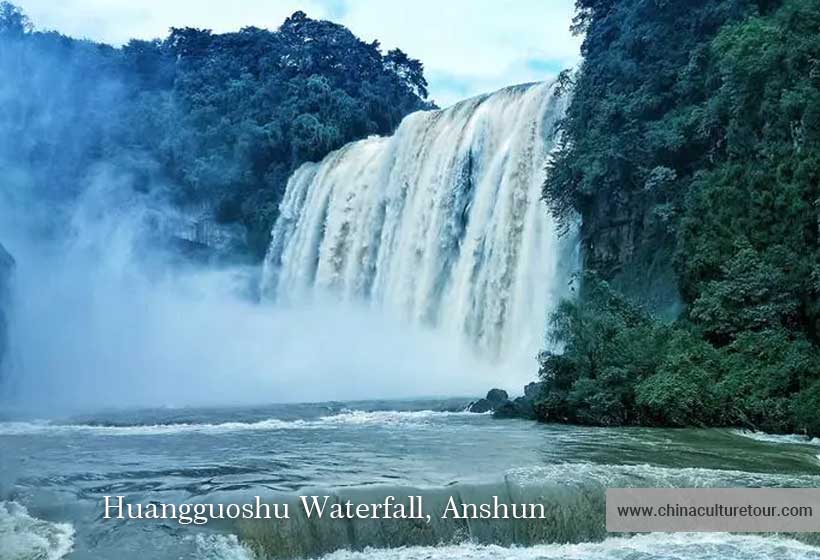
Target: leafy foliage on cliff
<point x="620" y="365"/>
<point x="220" y="119"/>
<point x="694" y="131"/>
<point x="634" y="134"/>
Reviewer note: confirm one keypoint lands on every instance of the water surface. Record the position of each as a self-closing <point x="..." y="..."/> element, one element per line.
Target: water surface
<point x="54" y="474"/>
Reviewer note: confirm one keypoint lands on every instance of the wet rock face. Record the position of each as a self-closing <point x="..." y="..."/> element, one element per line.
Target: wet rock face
<point x="494" y="399"/>
<point x="522" y="407"/>
<point x="498" y="402"/>
<point x="6" y="268"/>
<point x="497" y="396"/>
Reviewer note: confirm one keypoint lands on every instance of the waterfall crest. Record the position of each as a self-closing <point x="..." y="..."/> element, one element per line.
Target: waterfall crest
<point x="441" y="223"/>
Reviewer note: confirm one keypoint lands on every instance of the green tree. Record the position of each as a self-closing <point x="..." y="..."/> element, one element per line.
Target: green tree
<point x="13" y="22"/>
<point x="213" y="120"/>
<point x="694" y="131"/>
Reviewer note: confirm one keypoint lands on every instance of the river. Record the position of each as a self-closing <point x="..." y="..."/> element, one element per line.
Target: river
<point x="54" y="475"/>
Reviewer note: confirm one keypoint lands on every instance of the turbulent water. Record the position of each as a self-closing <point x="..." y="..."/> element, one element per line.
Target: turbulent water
<point x="441" y="223"/>
<point x="54" y="474"/>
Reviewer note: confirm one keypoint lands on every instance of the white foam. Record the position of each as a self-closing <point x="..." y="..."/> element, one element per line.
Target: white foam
<point x="48" y="428"/>
<point x="389" y="417"/>
<point x="613" y="476"/>
<point x="418" y="418"/>
<point x="778" y="438"/>
<point x="23" y="537"/>
<point x="221" y="547"/>
<point x="677" y="546"/>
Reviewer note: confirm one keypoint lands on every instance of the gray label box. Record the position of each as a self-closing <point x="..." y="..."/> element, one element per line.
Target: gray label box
<point x="741" y="510"/>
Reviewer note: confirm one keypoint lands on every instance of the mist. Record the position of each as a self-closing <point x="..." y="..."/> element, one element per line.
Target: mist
<point x="102" y="318"/>
<point x="107" y="307"/>
<point x="139" y="186"/>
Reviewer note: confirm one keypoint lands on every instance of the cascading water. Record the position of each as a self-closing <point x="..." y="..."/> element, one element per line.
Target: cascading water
<point x="442" y="223"/>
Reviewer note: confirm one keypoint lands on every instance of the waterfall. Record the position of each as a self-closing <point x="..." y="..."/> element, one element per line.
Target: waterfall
<point x="441" y="224"/>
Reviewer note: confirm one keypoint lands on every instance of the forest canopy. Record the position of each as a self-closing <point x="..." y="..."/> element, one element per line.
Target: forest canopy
<point x="219" y="120"/>
<point x="691" y="151"/>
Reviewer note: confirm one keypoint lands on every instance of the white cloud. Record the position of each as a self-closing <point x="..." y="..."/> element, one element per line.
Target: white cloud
<point x="467" y="46"/>
<point x="116" y="21"/>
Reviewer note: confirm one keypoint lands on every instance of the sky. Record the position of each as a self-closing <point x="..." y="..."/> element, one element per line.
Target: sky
<point x="468" y="47"/>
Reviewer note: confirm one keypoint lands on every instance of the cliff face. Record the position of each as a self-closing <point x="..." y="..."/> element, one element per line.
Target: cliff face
<point x="621" y="246"/>
<point x="611" y="235"/>
<point x="640" y="127"/>
<point x="6" y="268"/>
<point x="692" y="161"/>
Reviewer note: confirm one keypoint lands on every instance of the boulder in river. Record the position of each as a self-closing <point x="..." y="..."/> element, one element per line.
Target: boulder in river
<point x="494" y="399"/>
<point x="498" y="402"/>
<point x="521" y="407"/>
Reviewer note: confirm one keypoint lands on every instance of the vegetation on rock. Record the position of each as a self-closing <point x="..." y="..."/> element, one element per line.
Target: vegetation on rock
<point x="219" y="120"/>
<point x="691" y="151"/>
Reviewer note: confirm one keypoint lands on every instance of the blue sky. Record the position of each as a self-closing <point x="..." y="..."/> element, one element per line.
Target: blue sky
<point x="467" y="46"/>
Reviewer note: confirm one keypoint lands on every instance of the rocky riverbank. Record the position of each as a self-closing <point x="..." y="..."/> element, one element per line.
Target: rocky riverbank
<point x="499" y="403"/>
